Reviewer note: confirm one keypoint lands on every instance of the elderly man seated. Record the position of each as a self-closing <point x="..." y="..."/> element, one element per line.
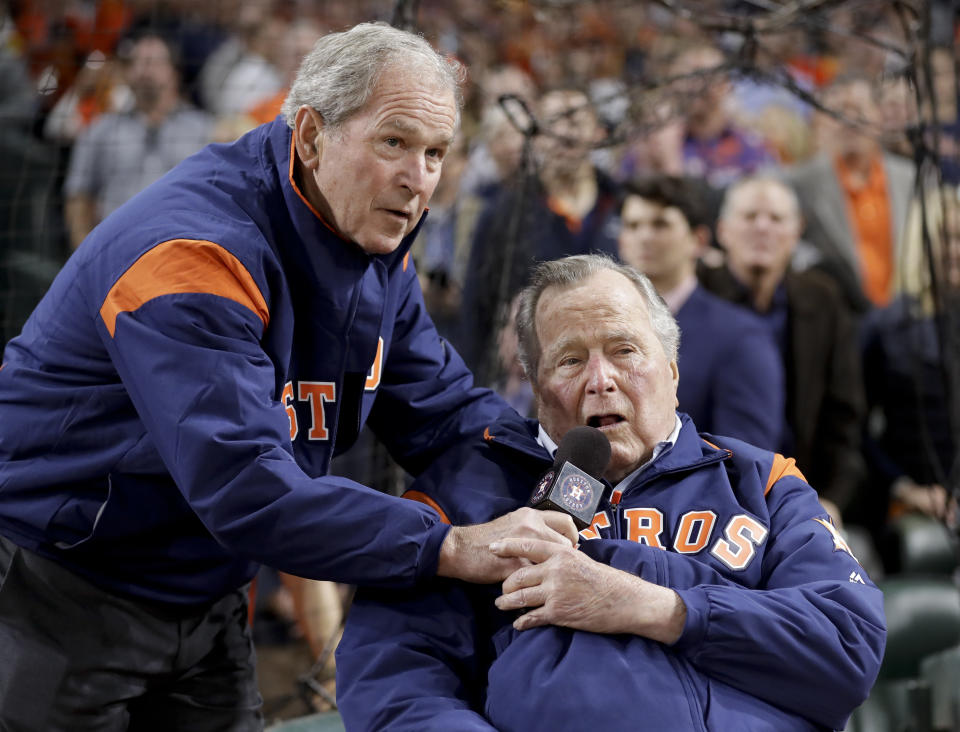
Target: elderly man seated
<point x="710" y="592"/>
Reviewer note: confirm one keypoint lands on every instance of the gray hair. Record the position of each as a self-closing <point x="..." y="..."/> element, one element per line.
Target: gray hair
<point x="569" y="271"/>
<point x="337" y="77"/>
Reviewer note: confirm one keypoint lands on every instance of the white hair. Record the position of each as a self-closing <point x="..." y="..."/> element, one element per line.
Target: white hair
<point x="569" y="271"/>
<point x="337" y="77"/>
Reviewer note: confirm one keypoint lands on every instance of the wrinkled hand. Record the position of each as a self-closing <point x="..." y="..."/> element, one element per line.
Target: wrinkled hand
<point x="566" y="587"/>
<point x="465" y="553"/>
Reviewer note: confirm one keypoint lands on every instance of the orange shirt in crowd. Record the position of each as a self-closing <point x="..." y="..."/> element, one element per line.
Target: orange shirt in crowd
<point x="265" y="111"/>
<point x="869" y="210"/>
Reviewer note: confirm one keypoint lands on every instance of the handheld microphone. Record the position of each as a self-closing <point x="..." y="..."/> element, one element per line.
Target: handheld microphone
<point x="573" y="485"/>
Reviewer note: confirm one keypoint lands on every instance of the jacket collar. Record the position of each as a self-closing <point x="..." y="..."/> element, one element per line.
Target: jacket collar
<point x="518" y="435"/>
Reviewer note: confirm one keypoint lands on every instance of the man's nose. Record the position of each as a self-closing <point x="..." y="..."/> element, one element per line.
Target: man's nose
<point x="599" y="375"/>
<point x="415" y="176"/>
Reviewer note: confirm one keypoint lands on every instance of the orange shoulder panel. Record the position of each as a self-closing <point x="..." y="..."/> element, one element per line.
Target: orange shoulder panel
<point x="422" y="497"/>
<point x="180" y="266"/>
<point x="781" y="467"/>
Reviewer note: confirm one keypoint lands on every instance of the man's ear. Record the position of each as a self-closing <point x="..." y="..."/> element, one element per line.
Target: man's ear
<point x="308" y="136"/>
<point x="702" y="234"/>
<point x="676" y="383"/>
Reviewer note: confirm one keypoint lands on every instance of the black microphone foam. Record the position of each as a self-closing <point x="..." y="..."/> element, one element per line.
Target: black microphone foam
<point x="573" y="484"/>
<point x="587" y="448"/>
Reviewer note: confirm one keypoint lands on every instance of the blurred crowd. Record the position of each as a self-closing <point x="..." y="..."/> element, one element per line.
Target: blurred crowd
<point x="766" y="182"/>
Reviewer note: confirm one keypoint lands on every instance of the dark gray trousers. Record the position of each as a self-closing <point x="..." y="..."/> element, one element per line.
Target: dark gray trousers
<point x="74" y="657"/>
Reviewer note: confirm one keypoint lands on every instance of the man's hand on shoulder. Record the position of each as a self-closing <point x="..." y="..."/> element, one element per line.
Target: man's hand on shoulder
<point x="465" y="553"/>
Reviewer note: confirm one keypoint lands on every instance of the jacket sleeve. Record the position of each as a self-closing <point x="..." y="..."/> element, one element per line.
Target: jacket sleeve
<point x="426" y="403"/>
<point x="409" y="661"/>
<point x="751" y="406"/>
<point x="203" y="387"/>
<point x="815" y="623"/>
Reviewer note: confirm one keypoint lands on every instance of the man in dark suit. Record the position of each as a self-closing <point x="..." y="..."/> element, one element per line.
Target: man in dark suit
<point x="759" y="227"/>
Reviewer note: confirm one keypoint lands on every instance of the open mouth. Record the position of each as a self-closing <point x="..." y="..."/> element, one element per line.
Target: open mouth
<point x="603" y="420"/>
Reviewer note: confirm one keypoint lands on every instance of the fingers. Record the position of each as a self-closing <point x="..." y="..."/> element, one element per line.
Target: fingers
<point x="534" y="550"/>
<point x="525" y="577"/>
<point x="551" y="526"/>
<point x="563" y="525"/>
<point x="531" y="619"/>
<point x="522" y="599"/>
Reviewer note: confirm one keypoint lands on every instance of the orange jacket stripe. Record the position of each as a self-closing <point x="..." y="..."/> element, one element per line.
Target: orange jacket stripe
<point x="180" y="266"/>
<point x="782" y="466"/>
<point x="424" y="498"/>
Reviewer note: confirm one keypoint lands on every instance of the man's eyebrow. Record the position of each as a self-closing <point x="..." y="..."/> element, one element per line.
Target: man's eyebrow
<point x="401" y="124"/>
<point x="558" y="346"/>
<point x="411" y="128"/>
<point x="566" y="342"/>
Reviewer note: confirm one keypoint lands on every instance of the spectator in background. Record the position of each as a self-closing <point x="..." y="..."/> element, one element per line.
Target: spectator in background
<point x="767" y="106"/>
<point x="909" y="443"/>
<point x="121" y="154"/>
<point x="30" y="226"/>
<point x="568" y="208"/>
<point x="242" y="23"/>
<point x="854" y="196"/>
<point x="714" y="147"/>
<point x="256" y="76"/>
<point x="732" y="381"/>
<point x="947" y="115"/>
<point x="896" y="100"/>
<point x="99" y="88"/>
<point x="299" y="37"/>
<point x="487" y="167"/>
<point x="759" y="228"/>
<point x="442" y="245"/>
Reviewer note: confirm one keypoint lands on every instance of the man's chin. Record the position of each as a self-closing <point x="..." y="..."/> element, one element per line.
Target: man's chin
<point x="380" y="244"/>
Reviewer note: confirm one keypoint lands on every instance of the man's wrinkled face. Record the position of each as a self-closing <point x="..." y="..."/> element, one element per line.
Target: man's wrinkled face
<point x="601" y="364"/>
<point x="656" y="240"/>
<point x="760" y="228"/>
<point x="377" y="170"/>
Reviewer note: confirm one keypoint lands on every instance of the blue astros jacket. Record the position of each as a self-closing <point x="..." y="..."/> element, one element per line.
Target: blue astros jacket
<point x="784" y="629"/>
<point x="169" y="412"/>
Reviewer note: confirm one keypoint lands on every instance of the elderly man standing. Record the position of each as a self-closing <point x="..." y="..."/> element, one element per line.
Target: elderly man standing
<point x="759" y="229"/>
<point x="170" y="410"/>
<point x="709" y="570"/>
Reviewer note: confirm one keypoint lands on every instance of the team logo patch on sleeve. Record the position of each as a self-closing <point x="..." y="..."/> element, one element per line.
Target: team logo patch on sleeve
<point x="839" y="543"/>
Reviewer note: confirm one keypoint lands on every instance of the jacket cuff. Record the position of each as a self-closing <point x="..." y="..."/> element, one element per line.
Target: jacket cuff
<point x="430" y="551"/>
<point x="698" y="617"/>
